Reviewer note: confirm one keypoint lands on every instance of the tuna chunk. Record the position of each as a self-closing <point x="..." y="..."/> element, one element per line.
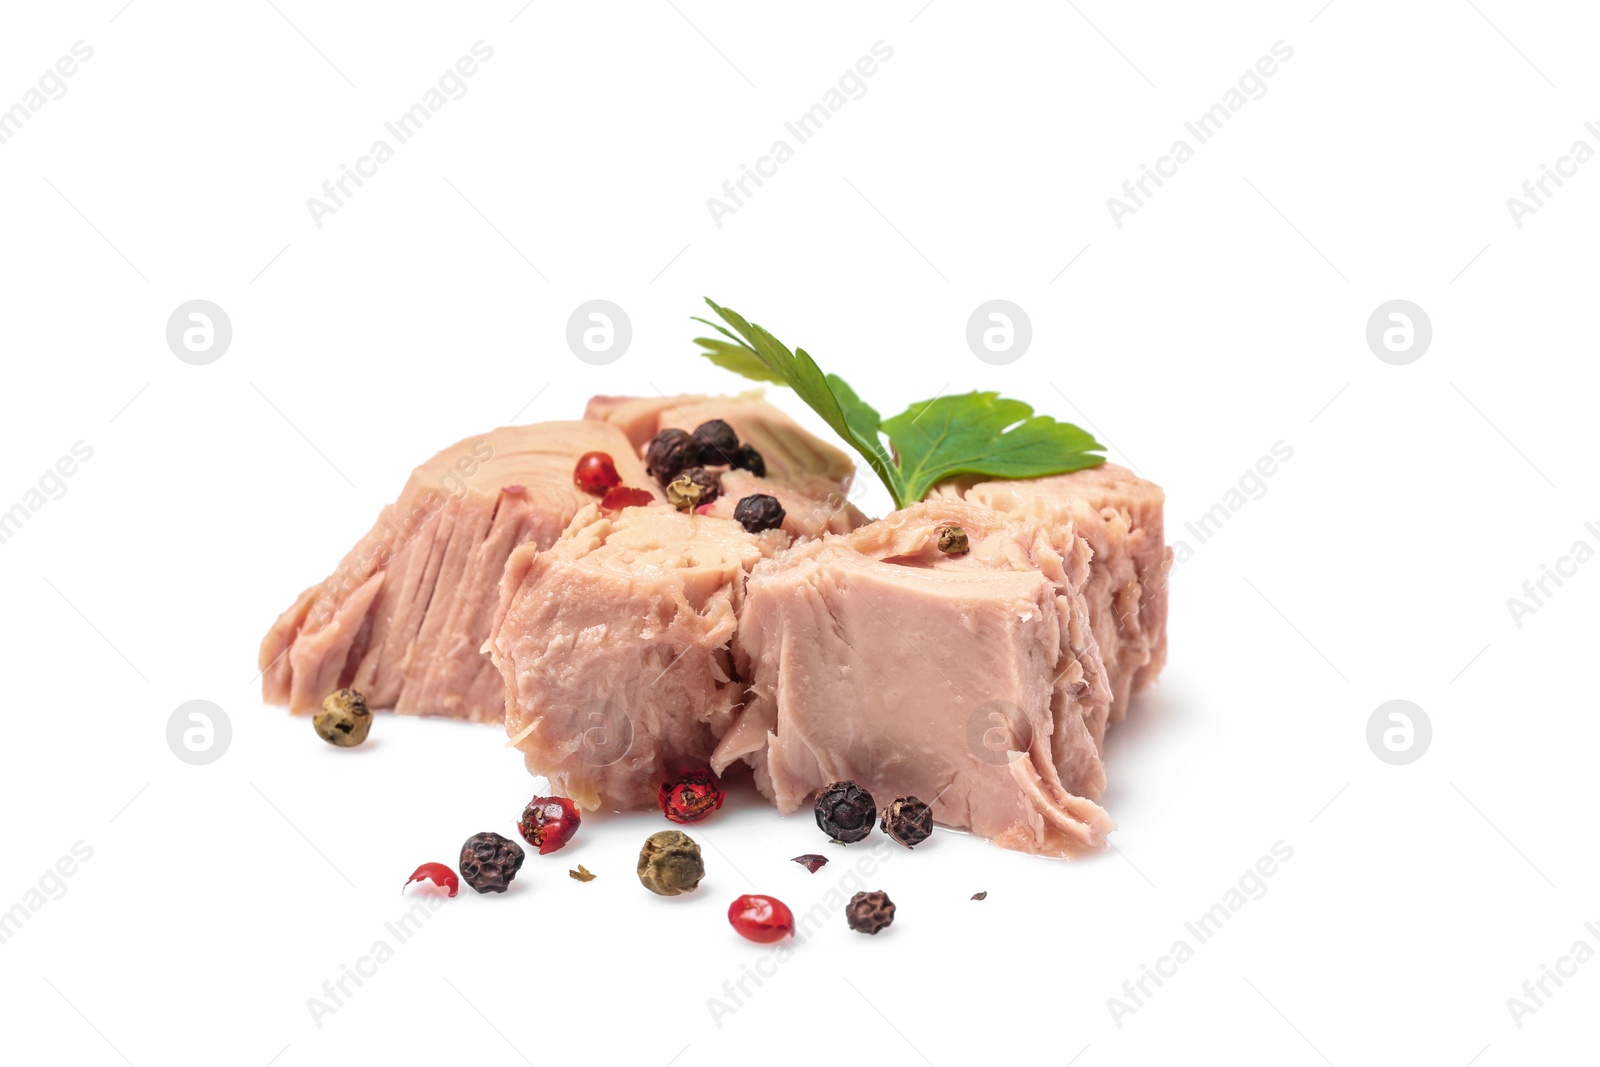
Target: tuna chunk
<point x="1120" y="515"/>
<point x="795" y="458"/>
<point x="614" y="646"/>
<point x="405" y="615"/>
<point x="968" y="681"/>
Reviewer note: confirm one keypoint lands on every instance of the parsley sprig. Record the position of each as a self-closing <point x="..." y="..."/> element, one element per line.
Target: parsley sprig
<point x="979" y="433"/>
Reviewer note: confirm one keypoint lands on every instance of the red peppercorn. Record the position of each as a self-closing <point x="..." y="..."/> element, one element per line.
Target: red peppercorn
<point x="690" y="798"/>
<point x="439" y="875"/>
<point x="624" y="497"/>
<point x="596" y="473"/>
<point x="548" y="823"/>
<point x="761" y="919"/>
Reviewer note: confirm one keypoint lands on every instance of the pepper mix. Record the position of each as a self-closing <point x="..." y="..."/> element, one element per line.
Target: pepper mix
<point x="712" y="444"/>
<point x="345" y="720"/>
<point x="489" y="862"/>
<point x="690" y="798"/>
<point x="670" y="863"/>
<point x="846" y="812"/>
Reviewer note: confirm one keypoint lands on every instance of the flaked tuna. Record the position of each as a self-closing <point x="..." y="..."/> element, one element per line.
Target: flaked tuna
<point x="405" y="615"/>
<point x="615" y="648"/>
<point x="1119" y="514"/>
<point x="966" y="680"/>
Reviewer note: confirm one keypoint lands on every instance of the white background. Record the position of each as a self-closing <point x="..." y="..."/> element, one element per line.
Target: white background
<point x="1226" y="315"/>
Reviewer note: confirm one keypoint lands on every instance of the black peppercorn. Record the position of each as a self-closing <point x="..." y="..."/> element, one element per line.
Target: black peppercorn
<point x="489" y="862"/>
<point x="845" y="812"/>
<point x="716" y="442"/>
<point x="908" y="820"/>
<point x="668" y="453"/>
<point x="748" y="459"/>
<point x="759" y="512"/>
<point x="869" y="912"/>
<point x="693" y="487"/>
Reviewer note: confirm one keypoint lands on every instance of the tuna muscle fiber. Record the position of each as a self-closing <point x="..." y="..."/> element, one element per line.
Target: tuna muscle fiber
<point x="404" y="615"/>
<point x="617" y="643"/>
<point x="1004" y="694"/>
<point x="620" y="645"/>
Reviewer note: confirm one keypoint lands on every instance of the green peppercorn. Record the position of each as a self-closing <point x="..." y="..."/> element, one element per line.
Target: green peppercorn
<point x="344" y="719"/>
<point x="693" y="487"/>
<point x="953" y="541"/>
<point x="683" y="494"/>
<point x="670" y="863"/>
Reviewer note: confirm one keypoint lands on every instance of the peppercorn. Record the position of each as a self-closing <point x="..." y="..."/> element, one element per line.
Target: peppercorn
<point x="489" y="862"/>
<point x="669" y="452"/>
<point x="748" y="459"/>
<point x="690" y="798"/>
<point x="716" y="443"/>
<point x="548" y="823"/>
<point x="869" y="912"/>
<point x="670" y="863"/>
<point x="759" y="512"/>
<point x="683" y="494"/>
<point x="908" y="820"/>
<point x="953" y="541"/>
<point x="761" y="919"/>
<point x="981" y="896"/>
<point x="812" y="862"/>
<point x="595" y="473"/>
<point x="845" y="812"/>
<point x="693" y="487"/>
<point x="344" y="719"/>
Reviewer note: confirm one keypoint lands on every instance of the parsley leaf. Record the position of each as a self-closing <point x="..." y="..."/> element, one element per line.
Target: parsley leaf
<point x="980" y="434"/>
